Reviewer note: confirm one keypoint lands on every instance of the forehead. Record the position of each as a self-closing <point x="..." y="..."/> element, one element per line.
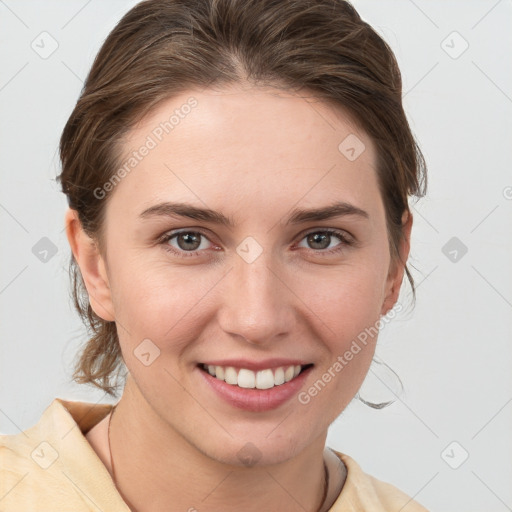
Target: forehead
<point x="247" y="148"/>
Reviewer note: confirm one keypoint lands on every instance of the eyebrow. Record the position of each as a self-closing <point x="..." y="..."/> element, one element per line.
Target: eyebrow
<point x="297" y="216"/>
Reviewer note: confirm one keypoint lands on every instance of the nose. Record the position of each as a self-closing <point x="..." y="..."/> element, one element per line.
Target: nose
<point x="257" y="302"/>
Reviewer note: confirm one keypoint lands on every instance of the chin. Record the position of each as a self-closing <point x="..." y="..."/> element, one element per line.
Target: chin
<point x="255" y="450"/>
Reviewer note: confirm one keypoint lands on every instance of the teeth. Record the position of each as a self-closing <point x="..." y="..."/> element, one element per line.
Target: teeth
<point x="263" y="379"/>
<point x="279" y="377"/>
<point x="246" y="378"/>
<point x="230" y="376"/>
<point x="219" y="372"/>
<point x="289" y="373"/>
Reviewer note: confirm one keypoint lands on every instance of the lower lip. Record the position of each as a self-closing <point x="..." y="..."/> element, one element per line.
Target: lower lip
<point x="256" y="400"/>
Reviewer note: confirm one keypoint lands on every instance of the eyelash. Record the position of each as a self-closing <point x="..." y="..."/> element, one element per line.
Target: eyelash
<point x="344" y="239"/>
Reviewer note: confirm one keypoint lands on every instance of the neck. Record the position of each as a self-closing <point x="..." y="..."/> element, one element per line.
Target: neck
<point x="160" y="467"/>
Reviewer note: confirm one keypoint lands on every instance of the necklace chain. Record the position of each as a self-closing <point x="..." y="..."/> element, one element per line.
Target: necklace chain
<point x="326" y="472"/>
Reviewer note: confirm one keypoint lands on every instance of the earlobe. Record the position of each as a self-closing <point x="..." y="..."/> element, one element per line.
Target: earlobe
<point x="92" y="267"/>
<point x="397" y="269"/>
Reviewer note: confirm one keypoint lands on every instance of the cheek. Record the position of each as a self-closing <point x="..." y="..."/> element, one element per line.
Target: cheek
<point x="157" y="302"/>
<point x="347" y="312"/>
<point x="346" y="299"/>
<point x="351" y="313"/>
<point x="158" y="313"/>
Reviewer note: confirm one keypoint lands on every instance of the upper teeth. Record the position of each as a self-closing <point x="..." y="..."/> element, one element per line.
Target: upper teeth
<point x="244" y="378"/>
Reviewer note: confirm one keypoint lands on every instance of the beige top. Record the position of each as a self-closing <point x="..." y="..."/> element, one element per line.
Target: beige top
<point x="51" y="467"/>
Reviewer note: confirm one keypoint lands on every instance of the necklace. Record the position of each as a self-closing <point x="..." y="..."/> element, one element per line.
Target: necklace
<point x="326" y="472"/>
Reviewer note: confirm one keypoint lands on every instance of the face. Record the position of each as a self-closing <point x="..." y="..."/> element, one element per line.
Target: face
<point x="268" y="287"/>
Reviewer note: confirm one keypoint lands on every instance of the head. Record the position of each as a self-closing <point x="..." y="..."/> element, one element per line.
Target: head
<point x="233" y="107"/>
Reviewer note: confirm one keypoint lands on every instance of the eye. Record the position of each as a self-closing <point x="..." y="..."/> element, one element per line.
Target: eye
<point x="188" y="243"/>
<point x="320" y="240"/>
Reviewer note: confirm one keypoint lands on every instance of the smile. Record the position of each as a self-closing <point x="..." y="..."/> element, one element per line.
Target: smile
<point x="248" y="379"/>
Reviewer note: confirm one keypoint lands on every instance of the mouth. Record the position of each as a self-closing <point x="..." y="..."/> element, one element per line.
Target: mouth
<point x="245" y="378"/>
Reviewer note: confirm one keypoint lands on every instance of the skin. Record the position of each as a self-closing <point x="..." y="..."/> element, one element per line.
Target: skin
<point x="253" y="154"/>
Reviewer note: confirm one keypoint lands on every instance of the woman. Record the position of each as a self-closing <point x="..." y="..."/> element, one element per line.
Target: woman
<point x="237" y="174"/>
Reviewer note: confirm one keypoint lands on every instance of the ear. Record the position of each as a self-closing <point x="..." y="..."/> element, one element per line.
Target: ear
<point x="397" y="270"/>
<point x="92" y="267"/>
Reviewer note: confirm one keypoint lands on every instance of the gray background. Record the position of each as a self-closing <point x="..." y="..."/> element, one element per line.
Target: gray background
<point x="453" y="352"/>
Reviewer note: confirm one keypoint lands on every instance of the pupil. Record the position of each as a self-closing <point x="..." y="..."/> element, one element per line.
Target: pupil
<point x="314" y="239"/>
<point x="189" y="237"/>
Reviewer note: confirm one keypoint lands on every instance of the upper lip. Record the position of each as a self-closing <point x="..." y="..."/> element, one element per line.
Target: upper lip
<point x="256" y="365"/>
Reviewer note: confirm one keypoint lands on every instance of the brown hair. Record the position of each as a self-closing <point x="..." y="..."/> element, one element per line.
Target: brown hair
<point x="163" y="47"/>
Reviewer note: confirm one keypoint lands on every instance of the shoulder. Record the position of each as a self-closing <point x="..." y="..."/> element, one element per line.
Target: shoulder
<point x="27" y="480"/>
<point x="50" y="466"/>
<point x="364" y="492"/>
